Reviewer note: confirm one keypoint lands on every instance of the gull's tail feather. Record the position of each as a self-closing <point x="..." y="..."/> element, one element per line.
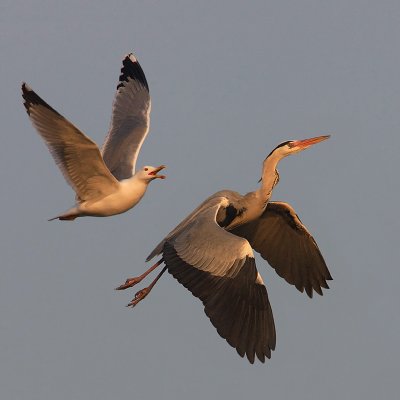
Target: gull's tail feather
<point x="70" y="215"/>
<point x="64" y="218"/>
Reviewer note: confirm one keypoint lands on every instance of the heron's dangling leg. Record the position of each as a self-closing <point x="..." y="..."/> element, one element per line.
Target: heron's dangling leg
<point x="133" y="281"/>
<point x="141" y="294"/>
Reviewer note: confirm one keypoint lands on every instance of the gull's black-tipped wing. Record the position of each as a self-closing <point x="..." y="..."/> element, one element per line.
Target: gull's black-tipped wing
<point x="130" y="120"/>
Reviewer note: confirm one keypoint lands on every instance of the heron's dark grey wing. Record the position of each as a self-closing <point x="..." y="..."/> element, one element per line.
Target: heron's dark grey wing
<point x="77" y="156"/>
<point x="130" y="120"/>
<point x="219" y="269"/>
<point x="281" y="239"/>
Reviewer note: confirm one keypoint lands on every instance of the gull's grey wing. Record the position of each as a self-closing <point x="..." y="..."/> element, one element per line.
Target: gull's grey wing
<point x="281" y="239"/>
<point x="77" y="156"/>
<point x="219" y="269"/>
<point x="130" y="120"/>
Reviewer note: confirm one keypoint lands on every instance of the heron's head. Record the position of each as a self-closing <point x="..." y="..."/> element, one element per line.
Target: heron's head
<point x="149" y="173"/>
<point x="294" y="146"/>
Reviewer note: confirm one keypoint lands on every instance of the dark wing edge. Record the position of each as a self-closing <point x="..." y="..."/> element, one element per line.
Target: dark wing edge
<point x="238" y="307"/>
<point x="62" y="137"/>
<point x="132" y="69"/>
<point x="31" y="99"/>
<point x="281" y="238"/>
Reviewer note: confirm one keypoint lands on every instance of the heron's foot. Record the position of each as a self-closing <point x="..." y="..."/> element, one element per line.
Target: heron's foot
<point x="129" y="283"/>
<point x="139" y="296"/>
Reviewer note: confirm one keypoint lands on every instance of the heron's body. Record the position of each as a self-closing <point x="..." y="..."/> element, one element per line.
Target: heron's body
<point x="239" y="209"/>
<point x="211" y="253"/>
<point x="105" y="181"/>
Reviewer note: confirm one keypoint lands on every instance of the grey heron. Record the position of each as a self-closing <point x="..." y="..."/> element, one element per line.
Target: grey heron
<point x="211" y="253"/>
<point x="105" y="181"/>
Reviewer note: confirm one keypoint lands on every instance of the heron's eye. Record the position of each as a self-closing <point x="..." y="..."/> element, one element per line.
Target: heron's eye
<point x="146" y="169"/>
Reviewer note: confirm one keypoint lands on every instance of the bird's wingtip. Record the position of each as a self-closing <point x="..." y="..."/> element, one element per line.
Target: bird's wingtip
<point x="132" y="57"/>
<point x="25" y="87"/>
<point x="131" y="69"/>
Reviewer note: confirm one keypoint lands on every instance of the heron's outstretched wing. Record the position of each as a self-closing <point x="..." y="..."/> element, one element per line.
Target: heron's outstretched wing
<point x="77" y="156"/>
<point x="130" y="120"/>
<point x="219" y="269"/>
<point x="198" y="210"/>
<point x="281" y="239"/>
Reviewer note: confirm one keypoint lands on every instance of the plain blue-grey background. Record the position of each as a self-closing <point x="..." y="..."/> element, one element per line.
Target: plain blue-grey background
<point x="229" y="81"/>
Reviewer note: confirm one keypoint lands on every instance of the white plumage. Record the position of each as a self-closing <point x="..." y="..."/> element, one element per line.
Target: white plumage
<point x="105" y="182"/>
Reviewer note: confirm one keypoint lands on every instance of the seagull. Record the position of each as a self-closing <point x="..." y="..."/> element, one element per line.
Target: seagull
<point x="105" y="181"/>
<point x="211" y="253"/>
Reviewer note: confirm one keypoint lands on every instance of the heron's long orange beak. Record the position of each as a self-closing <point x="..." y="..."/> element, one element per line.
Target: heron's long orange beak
<point x="303" y="144"/>
<point x="156" y="171"/>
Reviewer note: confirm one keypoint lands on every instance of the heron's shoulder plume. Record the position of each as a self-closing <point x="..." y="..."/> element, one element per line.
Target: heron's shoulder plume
<point x="131" y="69"/>
<point x="227" y="214"/>
<point x="32" y="99"/>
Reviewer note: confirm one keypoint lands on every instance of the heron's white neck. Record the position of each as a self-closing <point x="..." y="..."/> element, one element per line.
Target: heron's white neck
<point x="269" y="177"/>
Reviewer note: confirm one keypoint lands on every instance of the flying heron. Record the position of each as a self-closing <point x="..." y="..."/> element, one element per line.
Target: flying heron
<point x="105" y="181"/>
<point x="211" y="253"/>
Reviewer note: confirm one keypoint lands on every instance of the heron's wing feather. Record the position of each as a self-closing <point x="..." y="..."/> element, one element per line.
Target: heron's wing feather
<point x="282" y="239"/>
<point x="130" y="120"/>
<point x="77" y="156"/>
<point x="214" y="199"/>
<point x="219" y="269"/>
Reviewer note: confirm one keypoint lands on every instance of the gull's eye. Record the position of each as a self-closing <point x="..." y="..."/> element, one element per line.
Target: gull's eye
<point x="146" y="169"/>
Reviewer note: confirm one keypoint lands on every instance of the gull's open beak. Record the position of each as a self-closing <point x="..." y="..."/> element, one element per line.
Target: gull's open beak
<point x="303" y="144"/>
<point x="156" y="171"/>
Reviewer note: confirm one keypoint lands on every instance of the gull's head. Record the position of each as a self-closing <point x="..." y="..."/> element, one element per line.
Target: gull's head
<point x="294" y="146"/>
<point x="149" y="173"/>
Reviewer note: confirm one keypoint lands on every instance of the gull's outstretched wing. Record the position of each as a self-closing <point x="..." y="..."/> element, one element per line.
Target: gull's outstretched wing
<point x="77" y="156"/>
<point x="281" y="239"/>
<point x="130" y="120"/>
<point x="219" y="269"/>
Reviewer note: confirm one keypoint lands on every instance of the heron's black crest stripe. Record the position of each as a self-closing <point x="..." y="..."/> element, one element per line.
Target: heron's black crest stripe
<point x="279" y="145"/>
<point x="238" y="307"/>
<point x="132" y="69"/>
<point x="31" y="99"/>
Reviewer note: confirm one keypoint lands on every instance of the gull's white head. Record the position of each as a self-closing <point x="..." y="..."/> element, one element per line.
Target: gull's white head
<point x="149" y="173"/>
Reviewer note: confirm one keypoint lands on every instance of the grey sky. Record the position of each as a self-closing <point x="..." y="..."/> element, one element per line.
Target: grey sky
<point x="229" y="81"/>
